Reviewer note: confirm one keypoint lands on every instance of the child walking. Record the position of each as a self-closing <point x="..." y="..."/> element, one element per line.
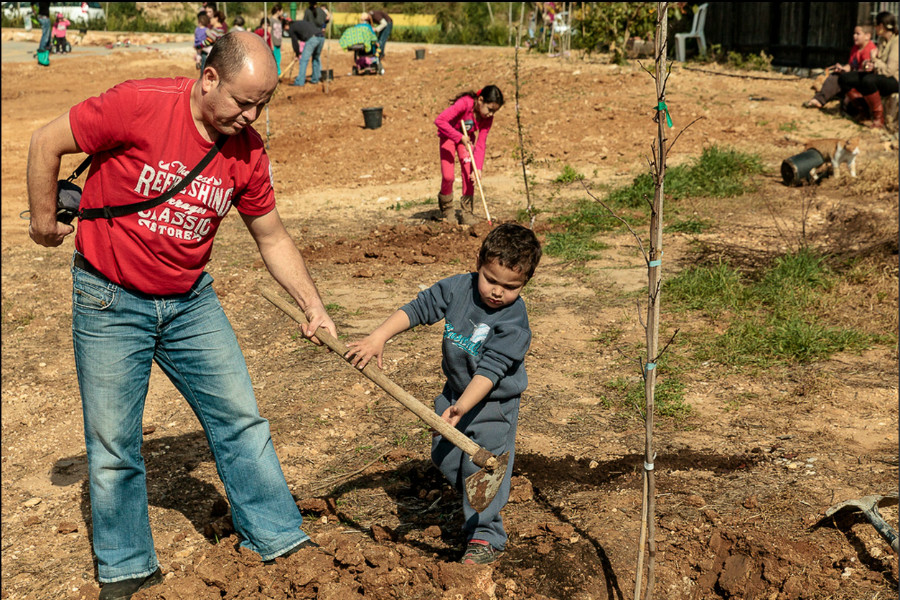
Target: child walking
<point x="476" y="110"/>
<point x="486" y="337"/>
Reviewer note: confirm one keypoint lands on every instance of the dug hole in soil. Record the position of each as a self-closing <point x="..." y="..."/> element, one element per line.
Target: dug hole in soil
<point x="743" y="480"/>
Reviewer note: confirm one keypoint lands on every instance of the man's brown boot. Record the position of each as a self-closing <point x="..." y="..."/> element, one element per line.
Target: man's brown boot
<point x="467" y="214"/>
<point x="445" y="208"/>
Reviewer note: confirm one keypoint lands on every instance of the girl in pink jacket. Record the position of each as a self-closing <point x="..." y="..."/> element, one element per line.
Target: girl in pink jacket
<point x="476" y="110"/>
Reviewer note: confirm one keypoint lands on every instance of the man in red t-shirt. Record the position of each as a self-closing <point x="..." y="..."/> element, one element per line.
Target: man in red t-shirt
<point x="141" y="295"/>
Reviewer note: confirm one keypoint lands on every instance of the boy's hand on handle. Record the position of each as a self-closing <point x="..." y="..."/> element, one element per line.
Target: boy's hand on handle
<point x="361" y="352"/>
<point x="452" y="415"/>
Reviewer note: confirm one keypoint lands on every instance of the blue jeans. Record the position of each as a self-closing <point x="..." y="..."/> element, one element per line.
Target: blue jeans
<point x="383" y="36"/>
<point x="118" y="334"/>
<point x="44" y="44"/>
<point x="312" y="48"/>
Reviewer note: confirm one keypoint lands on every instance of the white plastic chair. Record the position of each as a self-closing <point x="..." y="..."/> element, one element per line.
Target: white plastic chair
<point x="695" y="32"/>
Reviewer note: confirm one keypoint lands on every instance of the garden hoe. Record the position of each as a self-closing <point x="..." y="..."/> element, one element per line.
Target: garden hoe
<point x="468" y="144"/>
<point x="482" y="486"/>
<point x="869" y="507"/>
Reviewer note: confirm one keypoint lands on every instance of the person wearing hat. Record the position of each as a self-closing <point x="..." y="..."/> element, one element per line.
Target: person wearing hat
<point x="382" y="24"/>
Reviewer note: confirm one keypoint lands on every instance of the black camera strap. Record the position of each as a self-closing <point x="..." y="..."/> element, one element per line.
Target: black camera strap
<point x="109" y="212"/>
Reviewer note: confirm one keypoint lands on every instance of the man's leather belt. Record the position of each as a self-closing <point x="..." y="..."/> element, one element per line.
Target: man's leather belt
<point x="82" y="263"/>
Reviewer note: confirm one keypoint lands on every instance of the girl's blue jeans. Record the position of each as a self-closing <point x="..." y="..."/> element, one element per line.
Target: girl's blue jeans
<point x="118" y="334"/>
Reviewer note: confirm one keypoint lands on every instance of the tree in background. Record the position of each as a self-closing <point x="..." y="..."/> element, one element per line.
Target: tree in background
<point x="607" y="26"/>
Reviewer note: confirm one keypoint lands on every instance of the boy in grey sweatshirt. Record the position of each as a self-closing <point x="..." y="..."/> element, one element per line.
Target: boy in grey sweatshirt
<point x="486" y="337"/>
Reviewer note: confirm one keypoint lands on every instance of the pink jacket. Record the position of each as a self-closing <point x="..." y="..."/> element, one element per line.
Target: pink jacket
<point x="448" y="126"/>
<point x="60" y="27"/>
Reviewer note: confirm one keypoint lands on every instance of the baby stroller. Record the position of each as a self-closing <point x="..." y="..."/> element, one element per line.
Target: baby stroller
<point x="364" y="43"/>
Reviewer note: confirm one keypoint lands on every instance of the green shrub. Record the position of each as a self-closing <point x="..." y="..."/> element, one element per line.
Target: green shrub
<point x="568" y="175"/>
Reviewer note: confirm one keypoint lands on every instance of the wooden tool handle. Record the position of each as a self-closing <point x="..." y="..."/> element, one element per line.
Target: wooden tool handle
<point x="468" y="143"/>
<point x="480" y="456"/>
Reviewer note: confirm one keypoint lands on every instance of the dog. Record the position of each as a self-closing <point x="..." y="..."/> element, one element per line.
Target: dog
<point x="836" y="151"/>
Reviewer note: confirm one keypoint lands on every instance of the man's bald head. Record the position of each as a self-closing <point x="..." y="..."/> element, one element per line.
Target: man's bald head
<point x="238" y="51"/>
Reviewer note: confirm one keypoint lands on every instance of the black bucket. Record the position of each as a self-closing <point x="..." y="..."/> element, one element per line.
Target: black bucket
<point x="796" y="169"/>
<point x="372" y="117"/>
<point x="328" y="74"/>
<point x="420" y="54"/>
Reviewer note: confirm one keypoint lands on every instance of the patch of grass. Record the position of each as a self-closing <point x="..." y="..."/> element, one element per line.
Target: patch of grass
<point x="789" y="126"/>
<point x="668" y="396"/>
<point x="590" y="217"/>
<point x="568" y="175"/>
<point x="692" y="225"/>
<point x="772" y="317"/>
<point x="412" y="203"/>
<point x="576" y="246"/>
<point x="717" y="173"/>
<point x="753" y="341"/>
<point x="710" y="289"/>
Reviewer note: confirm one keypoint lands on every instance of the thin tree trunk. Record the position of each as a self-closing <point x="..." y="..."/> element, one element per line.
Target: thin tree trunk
<point x="654" y="288"/>
<point x="490" y="12"/>
<point x="529" y="207"/>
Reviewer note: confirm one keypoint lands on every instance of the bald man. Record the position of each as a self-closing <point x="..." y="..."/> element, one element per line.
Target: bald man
<point x="141" y="295"/>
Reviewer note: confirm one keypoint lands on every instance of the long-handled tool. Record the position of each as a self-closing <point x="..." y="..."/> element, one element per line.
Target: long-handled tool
<point x="481" y="487"/>
<point x="475" y="170"/>
<point x="869" y="507"/>
<point x="287" y="71"/>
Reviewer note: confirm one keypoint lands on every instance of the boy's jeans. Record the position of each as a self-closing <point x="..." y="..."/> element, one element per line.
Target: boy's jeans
<point x="313" y="48"/>
<point x="118" y="334"/>
<point x="492" y="425"/>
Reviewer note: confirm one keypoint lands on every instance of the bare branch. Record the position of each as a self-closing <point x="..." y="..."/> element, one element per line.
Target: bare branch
<point x="669" y="149"/>
<point x="623" y="221"/>
<point x="666" y="347"/>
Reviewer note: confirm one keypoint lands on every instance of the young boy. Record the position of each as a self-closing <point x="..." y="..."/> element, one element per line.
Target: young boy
<point x="863" y="50"/>
<point x="486" y="337"/>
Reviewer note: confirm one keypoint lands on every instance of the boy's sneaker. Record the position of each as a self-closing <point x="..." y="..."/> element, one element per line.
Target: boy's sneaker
<point x="479" y="552"/>
<point x="123" y="590"/>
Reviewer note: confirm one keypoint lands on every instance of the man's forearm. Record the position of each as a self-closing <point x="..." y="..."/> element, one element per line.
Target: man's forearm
<point x="284" y="261"/>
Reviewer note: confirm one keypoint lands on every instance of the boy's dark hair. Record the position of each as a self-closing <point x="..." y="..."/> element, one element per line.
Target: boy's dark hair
<point x="490" y="93"/>
<point x="203" y="18"/>
<point x="239" y="20"/>
<point x="867" y="29"/>
<point x="513" y="246"/>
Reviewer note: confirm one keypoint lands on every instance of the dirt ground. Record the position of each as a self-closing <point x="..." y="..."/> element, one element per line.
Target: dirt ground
<point x="743" y="481"/>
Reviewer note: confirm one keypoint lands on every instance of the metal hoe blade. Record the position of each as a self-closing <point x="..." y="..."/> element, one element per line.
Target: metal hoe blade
<point x="482" y="487"/>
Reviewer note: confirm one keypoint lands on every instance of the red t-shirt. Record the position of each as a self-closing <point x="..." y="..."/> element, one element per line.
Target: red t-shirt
<point x="859" y="56"/>
<point x="144" y="141"/>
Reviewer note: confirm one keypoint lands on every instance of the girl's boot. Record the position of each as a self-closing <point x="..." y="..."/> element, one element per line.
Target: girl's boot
<point x="445" y="206"/>
<point x="875" y="109"/>
<point x="467" y="214"/>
